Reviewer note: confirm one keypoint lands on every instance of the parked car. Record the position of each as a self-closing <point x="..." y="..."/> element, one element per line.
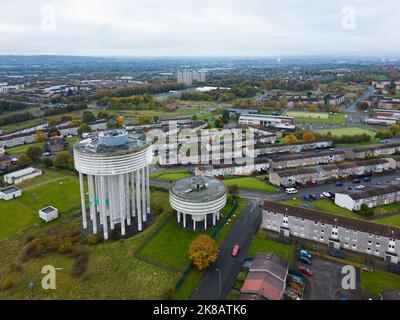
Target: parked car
<point x="339" y="184"/>
<point x="304" y="260"/>
<point x="326" y="194"/>
<point x="306" y="271"/>
<point x="235" y="250"/>
<point x="359" y="187"/>
<point x="356" y="181"/>
<point x="291" y="190"/>
<point x="367" y="179"/>
<point x="351" y="188"/>
<point x="305" y="253"/>
<point x="378" y="183"/>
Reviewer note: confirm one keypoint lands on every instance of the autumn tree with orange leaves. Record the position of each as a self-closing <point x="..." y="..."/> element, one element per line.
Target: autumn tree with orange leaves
<point x="203" y="251"/>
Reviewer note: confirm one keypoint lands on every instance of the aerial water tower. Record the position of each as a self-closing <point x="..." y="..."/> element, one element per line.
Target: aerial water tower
<point x="198" y="199"/>
<point x="115" y="166"/>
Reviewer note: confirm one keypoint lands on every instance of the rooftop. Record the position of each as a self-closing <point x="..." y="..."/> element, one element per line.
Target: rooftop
<point x="372" y="192"/>
<point x="198" y="188"/>
<point x="10" y="190"/>
<point x="21" y="173"/>
<point x="324" y="217"/>
<point x="113" y="141"/>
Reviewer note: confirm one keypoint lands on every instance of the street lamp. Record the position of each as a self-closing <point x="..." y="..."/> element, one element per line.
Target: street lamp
<point x="220" y="280"/>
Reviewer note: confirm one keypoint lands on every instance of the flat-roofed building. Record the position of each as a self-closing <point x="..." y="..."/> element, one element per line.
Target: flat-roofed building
<point x="332" y="230"/>
<point x="280" y="122"/>
<point x="48" y="213"/>
<point x="22" y="175"/>
<point x="10" y="193"/>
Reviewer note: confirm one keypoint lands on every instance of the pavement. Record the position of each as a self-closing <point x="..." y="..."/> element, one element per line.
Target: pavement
<point x="326" y="280"/>
<point x="219" y="278"/>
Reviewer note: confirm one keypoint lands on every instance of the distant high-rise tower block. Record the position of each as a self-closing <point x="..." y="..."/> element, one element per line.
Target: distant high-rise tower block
<point x="116" y="166"/>
<point x="187" y="76"/>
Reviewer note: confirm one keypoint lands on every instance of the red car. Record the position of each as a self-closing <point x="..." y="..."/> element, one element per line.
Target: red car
<point x="306" y="271"/>
<point x="235" y="250"/>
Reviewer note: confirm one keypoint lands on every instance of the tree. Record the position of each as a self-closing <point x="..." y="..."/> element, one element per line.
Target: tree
<point x="366" y="211"/>
<point x="119" y="121"/>
<point x="74" y="123"/>
<point x="84" y="127"/>
<point x="308" y="136"/>
<point x="47" y="162"/>
<point x="88" y="117"/>
<point x="233" y="189"/>
<point x="225" y="116"/>
<point x="290" y="138"/>
<point x="53" y="132"/>
<point x="102" y="115"/>
<point x="34" y="153"/>
<point x="194" y="118"/>
<point x="52" y="122"/>
<point x="39" y="136"/>
<point x="203" y="251"/>
<point x="24" y="161"/>
<point x="64" y="160"/>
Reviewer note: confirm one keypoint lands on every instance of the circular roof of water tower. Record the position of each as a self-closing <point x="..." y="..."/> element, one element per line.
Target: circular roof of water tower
<point x="113" y="142"/>
<point x="198" y="189"/>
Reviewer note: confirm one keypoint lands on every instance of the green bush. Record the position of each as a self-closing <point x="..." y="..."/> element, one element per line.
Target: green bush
<point x="93" y="239"/>
<point x="6" y="283"/>
<point x="65" y="247"/>
<point x="35" y="249"/>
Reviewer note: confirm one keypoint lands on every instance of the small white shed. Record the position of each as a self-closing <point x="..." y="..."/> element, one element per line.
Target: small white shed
<point x="10" y="193"/>
<point x="49" y="213"/>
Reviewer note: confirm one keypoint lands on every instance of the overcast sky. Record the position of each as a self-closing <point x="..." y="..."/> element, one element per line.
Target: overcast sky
<point x="200" y="27"/>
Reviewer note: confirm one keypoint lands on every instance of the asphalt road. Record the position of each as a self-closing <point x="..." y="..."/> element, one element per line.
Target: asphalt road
<point x="242" y="233"/>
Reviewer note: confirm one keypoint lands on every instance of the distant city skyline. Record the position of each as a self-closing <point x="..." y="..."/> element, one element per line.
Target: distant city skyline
<point x="178" y="28"/>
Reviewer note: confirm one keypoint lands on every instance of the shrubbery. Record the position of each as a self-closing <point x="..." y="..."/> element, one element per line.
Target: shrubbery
<point x="6" y="283"/>
<point x="93" y="239"/>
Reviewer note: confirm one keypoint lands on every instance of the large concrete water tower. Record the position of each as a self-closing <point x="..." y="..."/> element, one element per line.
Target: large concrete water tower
<point x="115" y="165"/>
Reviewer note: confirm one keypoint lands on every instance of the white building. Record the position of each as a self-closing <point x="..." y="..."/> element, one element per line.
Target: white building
<point x="279" y="122"/>
<point x="22" y="175"/>
<point x="2" y="151"/>
<point x="48" y="213"/>
<point x="116" y="165"/>
<point x="188" y="76"/>
<point x="372" y="197"/>
<point x="10" y="193"/>
<point x="198" y="198"/>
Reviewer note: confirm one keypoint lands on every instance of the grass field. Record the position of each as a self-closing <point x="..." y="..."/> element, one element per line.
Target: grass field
<point x="170" y="245"/>
<point x="112" y="273"/>
<point x="374" y="282"/>
<point x="304" y="116"/>
<point x="261" y="244"/>
<point x="349" y="131"/>
<point x="170" y="176"/>
<point x="308" y="115"/>
<point x="22" y="212"/>
<point x="250" y="183"/>
<point x="25" y="147"/>
<point x="392" y="221"/>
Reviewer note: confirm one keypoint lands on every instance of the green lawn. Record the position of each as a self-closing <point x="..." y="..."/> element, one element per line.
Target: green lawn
<point x="171" y="243"/>
<point x="392" y="221"/>
<point x="304" y="116"/>
<point x="393" y="207"/>
<point x="170" y="176"/>
<point x="25" y="147"/>
<point x="261" y="244"/>
<point x="374" y="282"/>
<point x="250" y="183"/>
<point x="22" y="212"/>
<point x="346" y="131"/>
<point x="113" y="272"/>
<point x="324" y="205"/>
